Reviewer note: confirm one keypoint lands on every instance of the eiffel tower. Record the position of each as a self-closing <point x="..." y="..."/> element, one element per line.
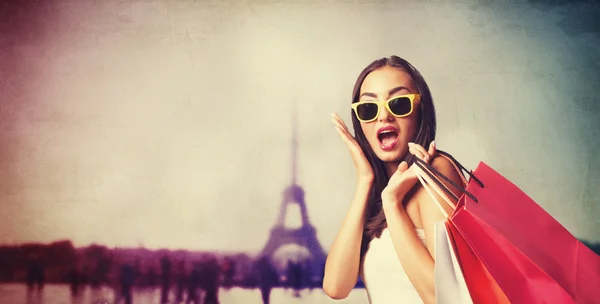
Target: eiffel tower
<point x="306" y="235"/>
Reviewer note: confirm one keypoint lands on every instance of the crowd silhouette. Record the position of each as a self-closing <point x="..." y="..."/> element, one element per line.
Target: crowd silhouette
<point x="196" y="279"/>
<point x="198" y="282"/>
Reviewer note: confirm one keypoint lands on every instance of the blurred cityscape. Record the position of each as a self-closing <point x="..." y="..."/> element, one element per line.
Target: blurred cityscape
<point x="187" y="274"/>
<point x="181" y="275"/>
<point x="123" y="269"/>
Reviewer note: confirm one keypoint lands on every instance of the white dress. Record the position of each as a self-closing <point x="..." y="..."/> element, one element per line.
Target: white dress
<point x="383" y="275"/>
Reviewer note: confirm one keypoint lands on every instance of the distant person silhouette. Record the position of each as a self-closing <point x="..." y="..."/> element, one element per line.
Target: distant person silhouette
<point x="35" y="278"/>
<point x="74" y="280"/>
<point x="35" y="275"/>
<point x="100" y="272"/>
<point x="268" y="277"/>
<point x="31" y="274"/>
<point x="165" y="279"/>
<point x="210" y="280"/>
<point x="194" y="282"/>
<point x="126" y="281"/>
<point x="180" y="277"/>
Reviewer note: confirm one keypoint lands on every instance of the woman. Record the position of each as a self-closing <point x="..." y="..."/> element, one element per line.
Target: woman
<point x="387" y="235"/>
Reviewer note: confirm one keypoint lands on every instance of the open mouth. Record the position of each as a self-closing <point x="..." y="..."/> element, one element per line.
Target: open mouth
<point x="387" y="139"/>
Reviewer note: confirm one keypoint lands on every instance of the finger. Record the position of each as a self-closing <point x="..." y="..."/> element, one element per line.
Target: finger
<point x="338" y="122"/>
<point x="403" y="166"/>
<point x="343" y="129"/>
<point x="348" y="139"/>
<point x="424" y="154"/>
<point x="420" y="153"/>
<point x="402" y="173"/>
<point x="432" y="148"/>
<point x="418" y="148"/>
<point x="341" y="122"/>
<point x="417" y="153"/>
<point x="342" y="134"/>
<point x="410" y="173"/>
<point x="414" y="168"/>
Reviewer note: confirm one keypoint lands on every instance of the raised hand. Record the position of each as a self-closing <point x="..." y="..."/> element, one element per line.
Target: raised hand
<point x="420" y="152"/>
<point x="405" y="178"/>
<point x="364" y="172"/>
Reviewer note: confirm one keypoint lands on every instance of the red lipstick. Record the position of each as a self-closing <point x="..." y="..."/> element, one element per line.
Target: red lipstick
<point x="388" y="137"/>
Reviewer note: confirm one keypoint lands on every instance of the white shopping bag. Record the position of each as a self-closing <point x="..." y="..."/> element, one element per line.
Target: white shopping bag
<point x="450" y="285"/>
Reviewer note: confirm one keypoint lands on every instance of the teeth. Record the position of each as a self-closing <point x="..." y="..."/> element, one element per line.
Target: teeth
<point x="388" y="131"/>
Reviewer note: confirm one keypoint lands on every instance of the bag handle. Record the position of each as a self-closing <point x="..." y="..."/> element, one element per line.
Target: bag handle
<point x="434" y="180"/>
<point x="457" y="169"/>
<point x="429" y="181"/>
<point x="433" y="175"/>
<point x="430" y="184"/>
<point x="455" y="163"/>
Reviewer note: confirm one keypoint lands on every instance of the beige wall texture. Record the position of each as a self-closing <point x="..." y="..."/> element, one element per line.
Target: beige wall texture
<point x="168" y="123"/>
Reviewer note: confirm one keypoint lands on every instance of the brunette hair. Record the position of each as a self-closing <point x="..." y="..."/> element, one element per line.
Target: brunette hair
<point x="375" y="222"/>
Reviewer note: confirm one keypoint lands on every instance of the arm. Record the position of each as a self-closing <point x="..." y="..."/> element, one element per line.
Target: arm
<point x="416" y="258"/>
<point x="343" y="260"/>
<point x="430" y="212"/>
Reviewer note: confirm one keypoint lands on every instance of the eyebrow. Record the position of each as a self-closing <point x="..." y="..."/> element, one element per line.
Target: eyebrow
<point x="390" y="92"/>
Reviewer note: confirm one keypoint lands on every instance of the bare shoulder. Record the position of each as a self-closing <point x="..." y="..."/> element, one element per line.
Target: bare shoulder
<point x="430" y="207"/>
<point x="445" y="167"/>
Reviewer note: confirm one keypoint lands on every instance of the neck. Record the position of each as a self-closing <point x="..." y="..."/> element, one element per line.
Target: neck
<point x="391" y="168"/>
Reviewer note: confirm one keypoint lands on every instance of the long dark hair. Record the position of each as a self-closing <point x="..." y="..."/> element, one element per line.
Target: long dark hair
<point x="375" y="222"/>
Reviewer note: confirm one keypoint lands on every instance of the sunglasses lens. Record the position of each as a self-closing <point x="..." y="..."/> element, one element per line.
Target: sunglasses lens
<point x="400" y="106"/>
<point x="367" y="111"/>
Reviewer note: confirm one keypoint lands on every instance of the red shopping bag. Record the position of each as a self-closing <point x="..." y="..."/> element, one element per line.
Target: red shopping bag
<point x="483" y="288"/>
<point x="531" y="256"/>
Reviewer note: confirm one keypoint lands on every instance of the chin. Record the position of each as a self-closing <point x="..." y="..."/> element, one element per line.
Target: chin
<point x="394" y="156"/>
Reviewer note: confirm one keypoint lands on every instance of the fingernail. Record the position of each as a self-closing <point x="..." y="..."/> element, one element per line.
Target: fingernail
<point x="433" y="143"/>
<point x="411" y="143"/>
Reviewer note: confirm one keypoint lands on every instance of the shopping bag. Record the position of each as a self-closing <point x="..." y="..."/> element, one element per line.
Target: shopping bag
<point x="480" y="285"/>
<point x="531" y="256"/>
<point x="450" y="285"/>
<point x="483" y="288"/>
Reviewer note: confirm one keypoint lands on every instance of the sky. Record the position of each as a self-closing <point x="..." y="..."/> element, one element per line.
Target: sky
<point x="168" y="124"/>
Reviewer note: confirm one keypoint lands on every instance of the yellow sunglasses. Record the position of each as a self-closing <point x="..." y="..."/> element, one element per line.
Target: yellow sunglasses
<point x="399" y="106"/>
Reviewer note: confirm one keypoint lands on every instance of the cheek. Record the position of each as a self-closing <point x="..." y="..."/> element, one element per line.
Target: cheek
<point x="408" y="128"/>
<point x="369" y="131"/>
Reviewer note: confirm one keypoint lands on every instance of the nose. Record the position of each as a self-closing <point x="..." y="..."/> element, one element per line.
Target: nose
<point x="385" y="115"/>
